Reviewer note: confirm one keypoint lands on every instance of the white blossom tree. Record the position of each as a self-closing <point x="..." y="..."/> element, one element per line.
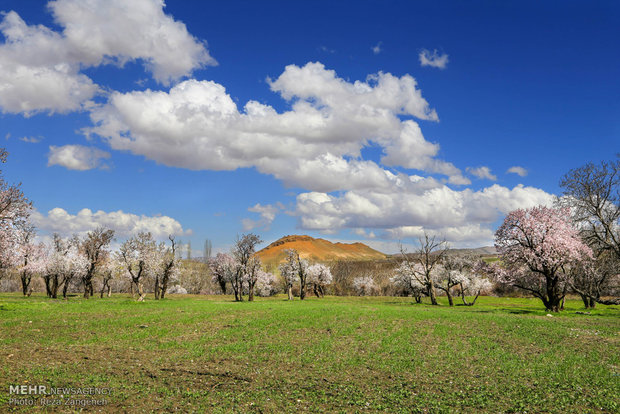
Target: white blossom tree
<point x="288" y="270"/>
<point x="243" y="252"/>
<point x="406" y="279"/>
<point x="64" y="264"/>
<point x="365" y="286"/>
<point x="139" y="257"/>
<point x="94" y="247"/>
<point x="167" y="267"/>
<point x="265" y="283"/>
<point x="223" y="269"/>
<point x="425" y="261"/>
<point x="319" y="276"/>
<point x="14" y="212"/>
<point x="30" y="257"/>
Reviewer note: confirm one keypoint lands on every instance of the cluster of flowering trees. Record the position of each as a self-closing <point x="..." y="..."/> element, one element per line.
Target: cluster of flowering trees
<point x="431" y="267"/>
<point x="143" y="259"/>
<point x="294" y="268"/>
<point x="242" y="269"/>
<point x="77" y="261"/>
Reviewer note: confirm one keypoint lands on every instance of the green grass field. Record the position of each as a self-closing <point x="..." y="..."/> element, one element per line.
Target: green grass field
<point x="337" y="354"/>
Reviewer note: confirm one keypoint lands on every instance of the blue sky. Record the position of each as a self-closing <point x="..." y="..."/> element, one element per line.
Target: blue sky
<point x="140" y="115"/>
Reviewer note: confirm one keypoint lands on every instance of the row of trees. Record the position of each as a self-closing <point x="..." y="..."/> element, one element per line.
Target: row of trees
<point x="546" y="251"/>
<point x="66" y="262"/>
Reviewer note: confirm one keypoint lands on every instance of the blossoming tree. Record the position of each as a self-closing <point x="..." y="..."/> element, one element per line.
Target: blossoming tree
<point x="537" y="247"/>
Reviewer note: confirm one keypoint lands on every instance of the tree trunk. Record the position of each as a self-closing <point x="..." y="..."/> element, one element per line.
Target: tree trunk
<point x="25" y="283"/>
<point x="54" y="288"/>
<point x="251" y="291"/>
<point x="302" y="289"/>
<point x="164" y="286"/>
<point x="450" y="301"/>
<point x="586" y="301"/>
<point x="290" y="292"/>
<point x="222" y="283"/>
<point x="109" y="290"/>
<point x="592" y="303"/>
<point x="431" y="293"/>
<point x="48" y="289"/>
<point x="87" y="292"/>
<point x="156" y="287"/>
<point x="140" y="291"/>
<point x="65" y="288"/>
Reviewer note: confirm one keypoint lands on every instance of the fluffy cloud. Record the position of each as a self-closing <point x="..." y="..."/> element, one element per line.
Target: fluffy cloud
<point x="36" y="72"/>
<point x="77" y="157"/>
<point x="316" y="145"/>
<point x="267" y="216"/>
<point x="517" y="170"/>
<point x="117" y="31"/>
<point x="40" y="68"/>
<point x="433" y="59"/>
<point x="405" y="212"/>
<point x="482" y="172"/>
<point x="124" y="224"/>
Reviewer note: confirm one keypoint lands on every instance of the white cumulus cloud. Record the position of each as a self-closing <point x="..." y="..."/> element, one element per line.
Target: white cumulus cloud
<point x="460" y="215"/>
<point x="40" y="68"/>
<point x="315" y="145"/>
<point x="77" y="157"/>
<point x="433" y="59"/>
<point x="124" y="224"/>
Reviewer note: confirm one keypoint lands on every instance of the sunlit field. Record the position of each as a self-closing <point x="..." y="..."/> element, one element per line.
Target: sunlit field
<point x="336" y="354"/>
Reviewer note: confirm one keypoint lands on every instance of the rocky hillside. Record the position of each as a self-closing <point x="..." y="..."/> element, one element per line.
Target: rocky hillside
<point x="319" y="250"/>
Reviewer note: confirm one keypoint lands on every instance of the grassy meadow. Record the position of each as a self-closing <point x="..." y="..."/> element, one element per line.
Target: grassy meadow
<point x="338" y="354"/>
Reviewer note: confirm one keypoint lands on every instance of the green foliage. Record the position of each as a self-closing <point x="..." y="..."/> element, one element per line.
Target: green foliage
<point x="337" y="354"/>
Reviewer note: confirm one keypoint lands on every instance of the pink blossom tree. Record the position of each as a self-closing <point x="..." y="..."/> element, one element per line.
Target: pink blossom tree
<point x="537" y="247"/>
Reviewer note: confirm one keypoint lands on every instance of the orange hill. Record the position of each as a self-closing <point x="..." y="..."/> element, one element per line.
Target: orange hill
<point x="319" y="250"/>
